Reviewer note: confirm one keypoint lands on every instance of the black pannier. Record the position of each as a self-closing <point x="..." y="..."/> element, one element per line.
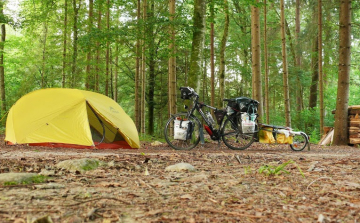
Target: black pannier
<point x="186" y="93"/>
<point x="244" y="104"/>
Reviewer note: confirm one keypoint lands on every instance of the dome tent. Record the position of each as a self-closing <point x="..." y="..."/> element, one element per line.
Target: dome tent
<point x="62" y="117"/>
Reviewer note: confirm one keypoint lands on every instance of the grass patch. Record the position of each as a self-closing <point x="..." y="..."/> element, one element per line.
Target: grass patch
<point x="150" y="138"/>
<point x="270" y="170"/>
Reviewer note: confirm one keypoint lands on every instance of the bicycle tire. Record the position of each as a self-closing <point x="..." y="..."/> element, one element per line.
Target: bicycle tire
<point x="179" y="144"/>
<point x="232" y="136"/>
<point x="299" y="142"/>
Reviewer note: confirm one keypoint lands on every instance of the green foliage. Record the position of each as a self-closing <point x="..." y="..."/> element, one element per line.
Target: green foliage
<point x="247" y="170"/>
<point x="150" y="138"/>
<point x="90" y="165"/>
<point x="33" y="180"/>
<point x="270" y="170"/>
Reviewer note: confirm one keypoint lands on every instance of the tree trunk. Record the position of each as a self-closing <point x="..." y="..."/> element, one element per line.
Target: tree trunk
<point x="97" y="68"/>
<point x="64" y="44"/>
<point x="143" y="71"/>
<point x="2" y="69"/>
<point x="137" y="70"/>
<point x="116" y="75"/>
<point x="172" y="61"/>
<point x="222" y="55"/>
<point x="321" y="79"/>
<point x="315" y="74"/>
<point x="43" y="66"/>
<point x="341" y="114"/>
<point x="256" y="58"/>
<point x="152" y="67"/>
<point x="299" y="90"/>
<point x="285" y="69"/>
<point x="212" y="56"/>
<point x="107" y="49"/>
<point x="267" y="107"/>
<point x="75" y="43"/>
<point x="197" y="43"/>
<point x="89" y="81"/>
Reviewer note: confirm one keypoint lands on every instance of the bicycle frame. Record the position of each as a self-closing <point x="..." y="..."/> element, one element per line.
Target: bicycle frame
<point x="214" y="133"/>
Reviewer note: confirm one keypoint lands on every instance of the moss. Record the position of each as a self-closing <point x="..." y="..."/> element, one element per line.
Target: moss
<point x="34" y="179"/>
<point x="90" y="165"/>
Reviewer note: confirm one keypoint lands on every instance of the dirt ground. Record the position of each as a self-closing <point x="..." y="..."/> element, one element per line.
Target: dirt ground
<point x="322" y="185"/>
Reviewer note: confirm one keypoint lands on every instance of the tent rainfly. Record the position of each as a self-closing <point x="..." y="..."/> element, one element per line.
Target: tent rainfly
<point x="59" y="117"/>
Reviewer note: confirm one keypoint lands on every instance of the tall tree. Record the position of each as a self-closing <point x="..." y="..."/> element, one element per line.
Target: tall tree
<point x="64" y="44"/>
<point x="342" y="102"/>
<point x="107" y="56"/>
<point x="222" y="54"/>
<point x="197" y="43"/>
<point x="172" y="61"/>
<point x="150" y="33"/>
<point x="212" y="55"/>
<point x="116" y="73"/>
<point x="143" y="70"/>
<point x="256" y="57"/>
<point x="321" y="79"/>
<point x="2" y="69"/>
<point x="267" y="106"/>
<point x="137" y="68"/>
<point x="314" y="67"/>
<point x="89" y="82"/>
<point x="285" y="69"/>
<point x="76" y="7"/>
<point x="98" y="49"/>
<point x="299" y="98"/>
<point x="44" y="53"/>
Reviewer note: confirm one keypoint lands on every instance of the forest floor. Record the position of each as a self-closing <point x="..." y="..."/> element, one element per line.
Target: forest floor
<point x="322" y="185"/>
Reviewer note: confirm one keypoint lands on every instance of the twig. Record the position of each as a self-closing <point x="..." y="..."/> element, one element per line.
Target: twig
<point x="317" y="180"/>
<point x="91" y="213"/>
<point x="228" y="157"/>
<point x="151" y="188"/>
<point x="28" y="210"/>
<point x="341" y="195"/>
<point x="96" y="199"/>
<point x="229" y="213"/>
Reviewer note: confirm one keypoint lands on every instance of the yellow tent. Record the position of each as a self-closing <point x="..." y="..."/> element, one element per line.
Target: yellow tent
<point x="70" y="117"/>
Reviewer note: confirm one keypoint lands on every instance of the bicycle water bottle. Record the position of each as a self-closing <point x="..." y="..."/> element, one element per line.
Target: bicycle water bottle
<point x="210" y="118"/>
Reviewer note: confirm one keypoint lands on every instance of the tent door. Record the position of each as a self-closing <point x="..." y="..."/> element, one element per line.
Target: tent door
<point x="96" y="135"/>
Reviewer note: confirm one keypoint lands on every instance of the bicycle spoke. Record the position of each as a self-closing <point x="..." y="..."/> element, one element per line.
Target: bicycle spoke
<point x="182" y="142"/>
<point x="234" y="139"/>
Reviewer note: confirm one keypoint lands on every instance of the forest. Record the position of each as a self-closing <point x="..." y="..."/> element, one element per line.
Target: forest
<point x="284" y="53"/>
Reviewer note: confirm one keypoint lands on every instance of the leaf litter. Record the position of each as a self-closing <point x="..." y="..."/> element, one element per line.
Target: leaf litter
<point x="226" y="185"/>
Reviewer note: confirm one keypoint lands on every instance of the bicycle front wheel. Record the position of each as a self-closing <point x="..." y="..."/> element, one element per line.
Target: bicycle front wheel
<point x="299" y="142"/>
<point x="232" y="136"/>
<point x="185" y="138"/>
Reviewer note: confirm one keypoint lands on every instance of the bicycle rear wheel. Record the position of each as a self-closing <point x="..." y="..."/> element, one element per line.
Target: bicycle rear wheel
<point x="232" y="136"/>
<point x="192" y="138"/>
<point x="299" y="142"/>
